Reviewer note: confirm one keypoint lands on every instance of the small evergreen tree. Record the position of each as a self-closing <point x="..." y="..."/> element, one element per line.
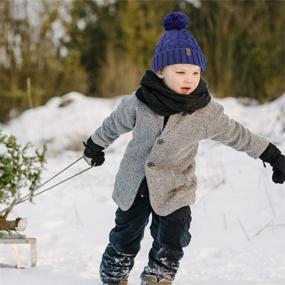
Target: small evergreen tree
<point x="19" y="168"/>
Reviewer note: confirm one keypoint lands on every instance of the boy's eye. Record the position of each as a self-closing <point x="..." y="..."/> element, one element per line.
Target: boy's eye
<point x="179" y="72"/>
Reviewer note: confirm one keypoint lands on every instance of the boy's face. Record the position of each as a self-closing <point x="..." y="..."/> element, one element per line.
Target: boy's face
<point x="181" y="78"/>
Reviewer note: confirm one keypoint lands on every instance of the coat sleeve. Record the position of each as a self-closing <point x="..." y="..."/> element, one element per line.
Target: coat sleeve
<point x="232" y="133"/>
<point x="120" y="121"/>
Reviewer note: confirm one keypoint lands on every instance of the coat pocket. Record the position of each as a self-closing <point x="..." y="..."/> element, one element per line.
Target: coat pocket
<point x="179" y="182"/>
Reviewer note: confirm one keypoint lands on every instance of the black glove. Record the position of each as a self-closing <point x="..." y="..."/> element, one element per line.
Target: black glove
<point x="273" y="156"/>
<point x="93" y="153"/>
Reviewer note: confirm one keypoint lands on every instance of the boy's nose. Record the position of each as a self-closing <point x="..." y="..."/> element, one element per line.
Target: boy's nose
<point x="188" y="79"/>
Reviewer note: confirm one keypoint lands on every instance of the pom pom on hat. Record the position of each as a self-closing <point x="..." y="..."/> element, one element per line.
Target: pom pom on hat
<point x="175" y="21"/>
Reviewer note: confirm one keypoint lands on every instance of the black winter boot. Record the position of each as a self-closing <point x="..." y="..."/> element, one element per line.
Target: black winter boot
<point x="115" y="267"/>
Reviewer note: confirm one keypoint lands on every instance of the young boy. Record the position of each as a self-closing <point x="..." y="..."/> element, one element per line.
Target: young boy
<point x="169" y="114"/>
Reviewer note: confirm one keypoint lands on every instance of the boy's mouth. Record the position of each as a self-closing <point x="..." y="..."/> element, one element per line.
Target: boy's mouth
<point x="185" y="90"/>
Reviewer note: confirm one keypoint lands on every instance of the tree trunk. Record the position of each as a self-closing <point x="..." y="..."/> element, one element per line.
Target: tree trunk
<point x="6" y="225"/>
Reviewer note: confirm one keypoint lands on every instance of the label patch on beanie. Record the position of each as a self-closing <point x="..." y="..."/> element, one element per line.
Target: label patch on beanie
<point x="188" y="51"/>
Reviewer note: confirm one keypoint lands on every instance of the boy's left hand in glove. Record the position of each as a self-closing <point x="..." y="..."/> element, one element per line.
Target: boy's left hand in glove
<point x="273" y="156"/>
<point x="93" y="153"/>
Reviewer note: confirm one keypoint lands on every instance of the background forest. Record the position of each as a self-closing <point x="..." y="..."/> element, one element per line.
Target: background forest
<point x="101" y="48"/>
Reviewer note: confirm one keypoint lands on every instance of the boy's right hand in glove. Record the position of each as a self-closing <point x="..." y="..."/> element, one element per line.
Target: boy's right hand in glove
<point x="93" y="153"/>
<point x="273" y="156"/>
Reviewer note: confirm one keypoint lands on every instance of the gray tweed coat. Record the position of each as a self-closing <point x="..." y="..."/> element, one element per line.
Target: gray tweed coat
<point x="167" y="156"/>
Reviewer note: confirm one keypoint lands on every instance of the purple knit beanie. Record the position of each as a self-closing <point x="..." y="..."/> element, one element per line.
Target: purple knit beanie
<point x="177" y="44"/>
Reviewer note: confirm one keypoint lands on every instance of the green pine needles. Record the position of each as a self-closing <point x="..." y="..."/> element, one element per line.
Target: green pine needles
<point x="20" y="168"/>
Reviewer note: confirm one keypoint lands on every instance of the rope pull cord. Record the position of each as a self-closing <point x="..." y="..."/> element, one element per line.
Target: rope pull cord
<point x="30" y="195"/>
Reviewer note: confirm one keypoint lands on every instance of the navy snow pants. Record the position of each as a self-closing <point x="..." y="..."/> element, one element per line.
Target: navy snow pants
<point x="170" y="234"/>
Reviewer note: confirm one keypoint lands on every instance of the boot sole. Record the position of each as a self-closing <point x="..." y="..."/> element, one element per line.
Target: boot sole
<point x="152" y="280"/>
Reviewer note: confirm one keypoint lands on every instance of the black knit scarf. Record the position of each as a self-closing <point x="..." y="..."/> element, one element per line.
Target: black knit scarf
<point x="163" y="101"/>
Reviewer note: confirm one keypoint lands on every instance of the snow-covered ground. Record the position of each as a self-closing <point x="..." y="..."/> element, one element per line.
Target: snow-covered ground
<point x="238" y="226"/>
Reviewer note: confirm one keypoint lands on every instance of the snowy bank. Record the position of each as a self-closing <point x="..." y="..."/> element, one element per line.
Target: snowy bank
<point x="238" y="226"/>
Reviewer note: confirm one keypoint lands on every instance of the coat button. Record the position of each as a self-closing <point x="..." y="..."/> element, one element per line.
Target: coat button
<point x="160" y="141"/>
<point x="150" y="164"/>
